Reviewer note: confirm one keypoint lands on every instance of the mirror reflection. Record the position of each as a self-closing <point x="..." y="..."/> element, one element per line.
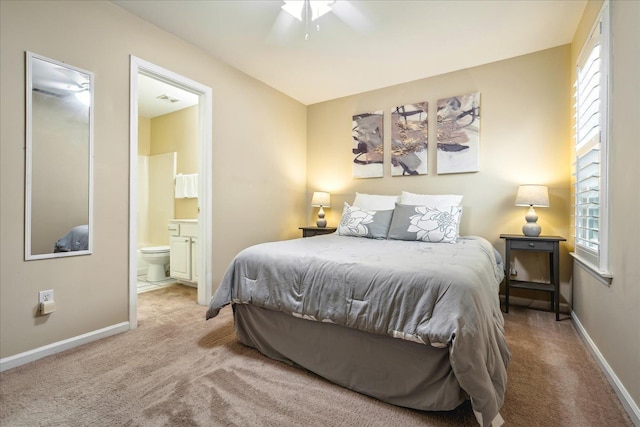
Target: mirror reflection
<point x="59" y="153"/>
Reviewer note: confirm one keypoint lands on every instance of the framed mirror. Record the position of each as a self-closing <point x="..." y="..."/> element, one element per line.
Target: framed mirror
<point x="59" y="159"/>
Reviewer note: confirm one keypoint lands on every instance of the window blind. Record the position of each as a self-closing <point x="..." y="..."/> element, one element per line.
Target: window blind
<point x="591" y="90"/>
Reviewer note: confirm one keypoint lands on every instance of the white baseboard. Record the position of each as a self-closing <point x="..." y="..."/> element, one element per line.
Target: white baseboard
<point x="57" y="347"/>
<point x="625" y="398"/>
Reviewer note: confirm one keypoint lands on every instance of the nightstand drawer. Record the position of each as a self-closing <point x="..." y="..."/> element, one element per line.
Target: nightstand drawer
<point x="528" y="245"/>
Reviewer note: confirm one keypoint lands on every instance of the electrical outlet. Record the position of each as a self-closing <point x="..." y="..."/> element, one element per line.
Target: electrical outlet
<point x="45" y="296"/>
<point x="513" y="272"/>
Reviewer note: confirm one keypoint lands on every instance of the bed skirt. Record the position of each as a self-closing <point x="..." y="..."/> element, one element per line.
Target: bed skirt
<point x="399" y="372"/>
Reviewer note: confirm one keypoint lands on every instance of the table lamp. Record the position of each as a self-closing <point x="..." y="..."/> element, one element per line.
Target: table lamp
<point x="323" y="200"/>
<point x="532" y="195"/>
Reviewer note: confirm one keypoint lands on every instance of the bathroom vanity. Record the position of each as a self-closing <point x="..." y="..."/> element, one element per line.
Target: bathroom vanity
<point x="183" y="240"/>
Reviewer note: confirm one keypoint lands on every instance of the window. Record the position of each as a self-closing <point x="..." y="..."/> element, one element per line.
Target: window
<point x="591" y="140"/>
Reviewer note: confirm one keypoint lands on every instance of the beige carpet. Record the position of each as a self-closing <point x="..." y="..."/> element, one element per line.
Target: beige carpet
<point x="178" y="370"/>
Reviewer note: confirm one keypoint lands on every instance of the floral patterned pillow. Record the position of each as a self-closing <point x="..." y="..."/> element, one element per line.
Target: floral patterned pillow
<point x="364" y="223"/>
<point x="425" y="223"/>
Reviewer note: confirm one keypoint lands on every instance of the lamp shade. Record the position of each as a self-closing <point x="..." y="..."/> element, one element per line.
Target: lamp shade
<point x="532" y="195"/>
<point x="320" y="198"/>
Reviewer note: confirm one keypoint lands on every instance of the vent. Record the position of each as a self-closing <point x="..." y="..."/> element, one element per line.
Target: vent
<point x="167" y="98"/>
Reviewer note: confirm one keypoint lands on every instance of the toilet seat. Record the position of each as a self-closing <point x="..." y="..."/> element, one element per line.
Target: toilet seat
<point x="155" y="249"/>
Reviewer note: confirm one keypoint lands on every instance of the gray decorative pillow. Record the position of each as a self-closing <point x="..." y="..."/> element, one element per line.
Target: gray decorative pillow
<point x="425" y="223"/>
<point x="364" y="223"/>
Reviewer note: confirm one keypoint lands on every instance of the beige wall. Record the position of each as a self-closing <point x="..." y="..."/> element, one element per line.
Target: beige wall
<point x="524" y="138"/>
<point x="258" y="170"/>
<point x="175" y="133"/>
<point x="144" y="136"/>
<point x="178" y="132"/>
<point x="161" y="208"/>
<point x="144" y="146"/>
<point x="611" y="314"/>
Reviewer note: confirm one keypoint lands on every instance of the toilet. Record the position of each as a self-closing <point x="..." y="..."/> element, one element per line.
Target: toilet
<point x="158" y="258"/>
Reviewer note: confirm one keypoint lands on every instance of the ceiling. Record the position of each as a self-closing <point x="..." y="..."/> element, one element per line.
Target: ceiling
<point x="156" y="98"/>
<point x="362" y="45"/>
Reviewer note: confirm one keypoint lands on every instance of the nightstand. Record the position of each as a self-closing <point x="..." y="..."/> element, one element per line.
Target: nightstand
<point x="548" y="244"/>
<point x="316" y="231"/>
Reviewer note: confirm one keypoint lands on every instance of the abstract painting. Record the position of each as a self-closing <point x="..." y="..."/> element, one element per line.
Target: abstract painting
<point x="409" y="139"/>
<point x="459" y="134"/>
<point x="367" y="148"/>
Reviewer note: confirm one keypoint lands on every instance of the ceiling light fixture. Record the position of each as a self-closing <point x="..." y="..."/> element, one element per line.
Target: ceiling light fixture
<point x="307" y="11"/>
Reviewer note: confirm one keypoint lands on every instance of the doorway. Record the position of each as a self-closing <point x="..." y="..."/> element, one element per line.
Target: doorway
<point x="203" y="253"/>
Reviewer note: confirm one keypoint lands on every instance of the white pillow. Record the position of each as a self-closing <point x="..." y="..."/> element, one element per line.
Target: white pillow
<point x="375" y="202"/>
<point x="439" y="201"/>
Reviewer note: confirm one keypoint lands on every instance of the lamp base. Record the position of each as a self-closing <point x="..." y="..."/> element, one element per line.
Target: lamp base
<point x="531" y="228"/>
<point x="321" y="222"/>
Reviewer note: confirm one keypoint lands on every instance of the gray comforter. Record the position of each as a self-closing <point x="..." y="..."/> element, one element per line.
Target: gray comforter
<point x="436" y="294"/>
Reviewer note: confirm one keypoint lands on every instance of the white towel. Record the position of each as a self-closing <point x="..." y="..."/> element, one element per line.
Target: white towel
<point x="179" y="186"/>
<point x="186" y="186"/>
<point x="191" y="185"/>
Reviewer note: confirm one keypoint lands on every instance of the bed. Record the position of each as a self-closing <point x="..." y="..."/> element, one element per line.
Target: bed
<point x="413" y="323"/>
<point x="77" y="239"/>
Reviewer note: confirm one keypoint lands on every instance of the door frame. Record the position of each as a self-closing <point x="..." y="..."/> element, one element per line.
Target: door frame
<point x="205" y="177"/>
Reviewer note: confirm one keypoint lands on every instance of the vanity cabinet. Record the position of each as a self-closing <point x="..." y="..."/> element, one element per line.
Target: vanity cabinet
<point x="180" y="258"/>
<point x="183" y="241"/>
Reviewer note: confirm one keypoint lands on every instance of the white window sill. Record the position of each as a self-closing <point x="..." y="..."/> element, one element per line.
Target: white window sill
<point x="603" y="277"/>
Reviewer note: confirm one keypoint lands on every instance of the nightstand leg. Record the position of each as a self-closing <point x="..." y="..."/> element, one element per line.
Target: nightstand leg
<point x="507" y="265"/>
<point x="506" y="295"/>
<point x="553" y="294"/>
<point x="556" y="276"/>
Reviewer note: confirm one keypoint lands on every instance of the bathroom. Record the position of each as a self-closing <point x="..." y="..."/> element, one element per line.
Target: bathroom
<point x="167" y="155"/>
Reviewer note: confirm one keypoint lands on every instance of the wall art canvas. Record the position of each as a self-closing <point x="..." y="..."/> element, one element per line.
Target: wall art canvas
<point x="367" y="148"/>
<point x="409" y="139"/>
<point x="459" y="134"/>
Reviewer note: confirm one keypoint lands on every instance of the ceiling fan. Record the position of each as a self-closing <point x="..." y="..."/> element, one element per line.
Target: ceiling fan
<point x="61" y="82"/>
<point x="307" y="11"/>
<point x="353" y="16"/>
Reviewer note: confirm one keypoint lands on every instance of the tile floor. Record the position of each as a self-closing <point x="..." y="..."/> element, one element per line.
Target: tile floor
<point x="144" y="286"/>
